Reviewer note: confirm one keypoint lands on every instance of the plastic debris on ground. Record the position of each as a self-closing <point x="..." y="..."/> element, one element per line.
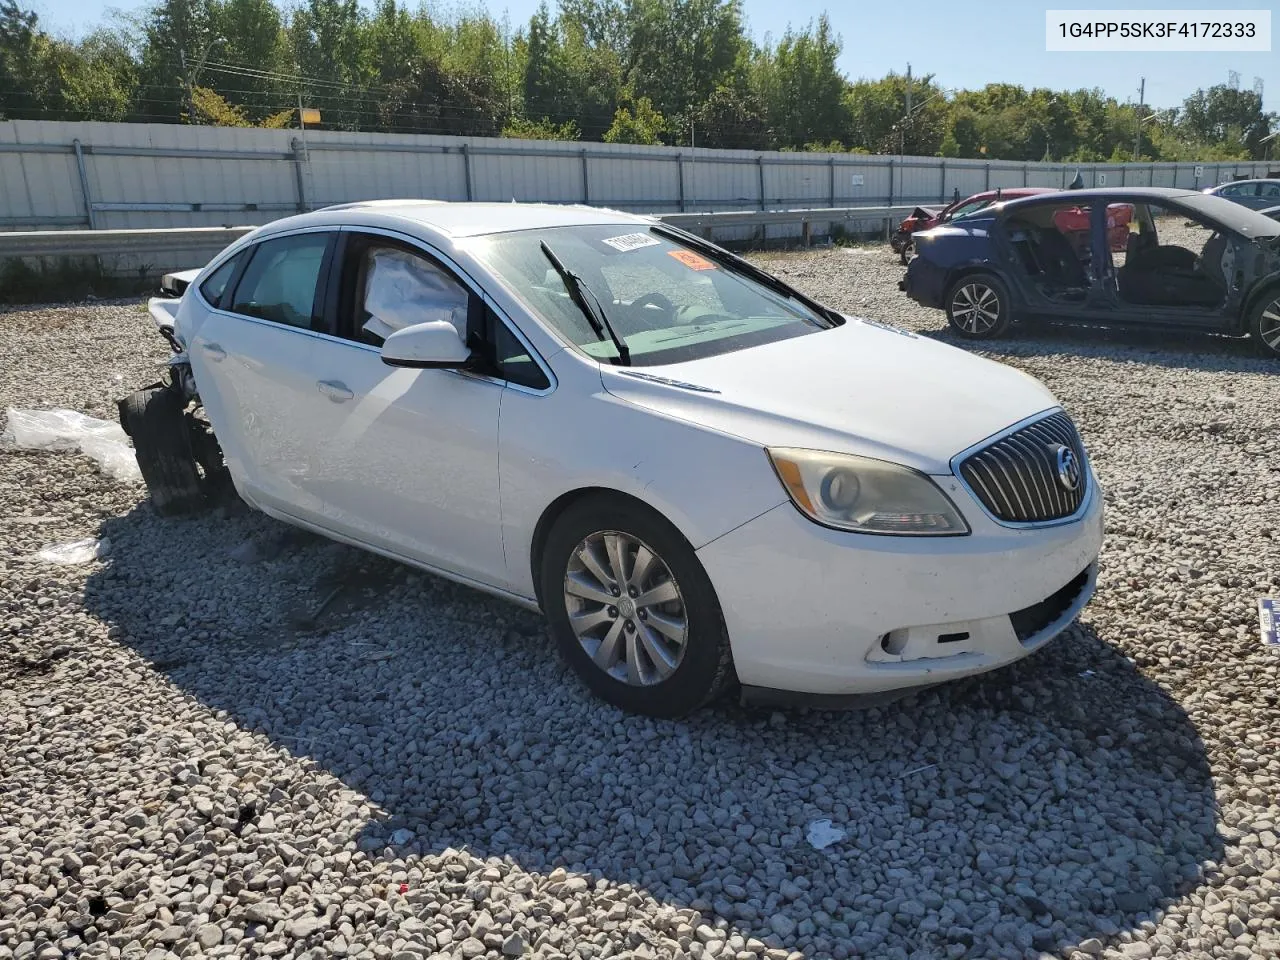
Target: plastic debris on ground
<point x="61" y="429"/>
<point x="74" y="552"/>
<point x="1269" y="622"/>
<point x="822" y="834"/>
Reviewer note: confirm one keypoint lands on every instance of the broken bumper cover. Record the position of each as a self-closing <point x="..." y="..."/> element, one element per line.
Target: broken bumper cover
<point x="811" y="610"/>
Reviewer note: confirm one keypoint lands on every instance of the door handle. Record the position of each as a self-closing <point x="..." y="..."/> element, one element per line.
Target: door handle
<point x="335" y="390"/>
<point x="214" y="352"/>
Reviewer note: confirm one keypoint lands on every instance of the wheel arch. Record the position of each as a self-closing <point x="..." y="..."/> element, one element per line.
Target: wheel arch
<point x="556" y="509"/>
<point x="958" y="273"/>
<point x="1268" y="285"/>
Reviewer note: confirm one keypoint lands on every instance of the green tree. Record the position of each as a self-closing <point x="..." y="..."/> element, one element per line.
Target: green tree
<point x="731" y="119"/>
<point x="637" y="122"/>
<point x="177" y="36"/>
<point x="20" y="95"/>
<point x="879" y="121"/>
<point x="801" y="88"/>
<point x="1226" y="116"/>
<point x="522" y="129"/>
<point x="680" y="51"/>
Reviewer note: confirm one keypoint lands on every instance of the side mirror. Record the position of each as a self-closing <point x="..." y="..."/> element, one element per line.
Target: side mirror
<point x="432" y="345"/>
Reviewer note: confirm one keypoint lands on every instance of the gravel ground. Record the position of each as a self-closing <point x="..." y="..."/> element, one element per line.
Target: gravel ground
<point x="188" y="768"/>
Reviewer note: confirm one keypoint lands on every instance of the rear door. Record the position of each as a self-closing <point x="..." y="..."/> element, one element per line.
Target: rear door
<point x="252" y="361"/>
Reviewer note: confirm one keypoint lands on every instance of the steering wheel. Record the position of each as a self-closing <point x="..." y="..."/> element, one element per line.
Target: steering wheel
<point x="657" y="300"/>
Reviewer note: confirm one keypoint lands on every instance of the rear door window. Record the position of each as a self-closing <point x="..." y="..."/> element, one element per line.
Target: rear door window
<point x="215" y="285"/>
<point x="281" y="281"/>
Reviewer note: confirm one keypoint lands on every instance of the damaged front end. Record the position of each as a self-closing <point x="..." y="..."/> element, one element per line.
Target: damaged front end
<point x="176" y="449"/>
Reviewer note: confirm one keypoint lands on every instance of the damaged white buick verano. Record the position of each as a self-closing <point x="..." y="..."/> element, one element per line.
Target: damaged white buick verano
<point x="703" y="478"/>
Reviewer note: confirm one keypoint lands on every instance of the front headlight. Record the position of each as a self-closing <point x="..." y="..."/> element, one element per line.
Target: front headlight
<point x="864" y="495"/>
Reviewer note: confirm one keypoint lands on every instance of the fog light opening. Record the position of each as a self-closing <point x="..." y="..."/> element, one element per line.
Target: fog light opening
<point x="894" y="642"/>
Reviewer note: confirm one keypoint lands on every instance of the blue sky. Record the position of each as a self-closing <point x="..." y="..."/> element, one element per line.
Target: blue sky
<point x="964" y="43"/>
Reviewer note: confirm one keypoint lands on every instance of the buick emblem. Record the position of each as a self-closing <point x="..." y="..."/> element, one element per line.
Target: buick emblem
<point x="1068" y="467"/>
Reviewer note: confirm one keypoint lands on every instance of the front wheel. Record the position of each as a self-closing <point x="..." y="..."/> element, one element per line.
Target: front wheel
<point x="632" y="609"/>
<point x="1264" y="324"/>
<point x="978" y="307"/>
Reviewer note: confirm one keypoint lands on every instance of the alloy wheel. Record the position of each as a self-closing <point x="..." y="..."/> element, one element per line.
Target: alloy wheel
<point x="1269" y="326"/>
<point x="626" y="608"/>
<point x="975" y="308"/>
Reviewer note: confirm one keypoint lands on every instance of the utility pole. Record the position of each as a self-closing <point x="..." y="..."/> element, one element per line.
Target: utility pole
<point x="186" y="84"/>
<point x="902" y="133"/>
<point x="693" y="164"/>
<point x="1137" y="137"/>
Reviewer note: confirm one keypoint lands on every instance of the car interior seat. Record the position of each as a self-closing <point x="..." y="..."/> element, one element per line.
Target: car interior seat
<point x="1166" y="275"/>
<point x="1058" y="259"/>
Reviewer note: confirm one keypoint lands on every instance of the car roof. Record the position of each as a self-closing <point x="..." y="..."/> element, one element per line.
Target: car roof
<point x="1136" y="194"/>
<point x="1233" y="215"/>
<point x="1015" y="192"/>
<point x="1232" y="183"/>
<point x="471" y="219"/>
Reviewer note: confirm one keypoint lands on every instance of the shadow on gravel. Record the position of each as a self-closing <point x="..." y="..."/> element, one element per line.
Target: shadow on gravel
<point x="1062" y="799"/>
<point x="1174" y="349"/>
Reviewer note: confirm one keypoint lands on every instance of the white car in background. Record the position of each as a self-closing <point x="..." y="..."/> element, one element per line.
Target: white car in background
<point x="703" y="478"/>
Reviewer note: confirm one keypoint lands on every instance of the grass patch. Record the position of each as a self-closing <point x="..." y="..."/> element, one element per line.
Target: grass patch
<point x="63" y="279"/>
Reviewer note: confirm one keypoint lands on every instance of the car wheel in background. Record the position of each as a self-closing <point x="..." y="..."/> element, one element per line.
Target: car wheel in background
<point x="1264" y="323"/>
<point x="904" y="251"/>
<point x="632" y="610"/>
<point x="978" y="306"/>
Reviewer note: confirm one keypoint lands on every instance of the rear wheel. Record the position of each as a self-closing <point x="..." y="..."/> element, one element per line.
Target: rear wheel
<point x="1264" y="323"/>
<point x="978" y="307"/>
<point x="154" y="418"/>
<point x="632" y="610"/>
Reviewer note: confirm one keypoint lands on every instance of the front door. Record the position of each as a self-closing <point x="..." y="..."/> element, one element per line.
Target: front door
<point x="403" y="459"/>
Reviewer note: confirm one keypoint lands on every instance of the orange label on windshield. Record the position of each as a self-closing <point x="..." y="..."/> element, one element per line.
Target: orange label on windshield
<point x="692" y="260"/>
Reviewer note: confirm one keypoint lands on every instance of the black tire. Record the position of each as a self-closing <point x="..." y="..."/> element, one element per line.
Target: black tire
<point x="979" y="307"/>
<point x="154" y="417"/>
<point x="1264" y="324"/>
<point x="705" y="666"/>
<point x="904" y="251"/>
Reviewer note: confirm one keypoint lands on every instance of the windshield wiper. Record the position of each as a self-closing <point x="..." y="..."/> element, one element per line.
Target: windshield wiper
<point x="727" y="259"/>
<point x="578" y="293"/>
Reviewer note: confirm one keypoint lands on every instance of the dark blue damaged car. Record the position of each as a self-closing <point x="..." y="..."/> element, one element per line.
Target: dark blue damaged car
<point x="1192" y="261"/>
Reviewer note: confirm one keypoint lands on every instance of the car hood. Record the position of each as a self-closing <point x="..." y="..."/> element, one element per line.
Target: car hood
<point x="862" y="388"/>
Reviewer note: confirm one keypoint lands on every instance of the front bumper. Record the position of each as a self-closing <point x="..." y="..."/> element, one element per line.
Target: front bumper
<point x="819" y="611"/>
<point x="924" y="283"/>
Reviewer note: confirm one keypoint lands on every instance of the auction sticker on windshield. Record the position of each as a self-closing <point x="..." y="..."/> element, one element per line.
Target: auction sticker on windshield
<point x="692" y="260"/>
<point x="631" y="241"/>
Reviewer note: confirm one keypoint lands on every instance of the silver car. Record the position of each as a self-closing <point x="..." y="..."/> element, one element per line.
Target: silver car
<point x="1255" y="194"/>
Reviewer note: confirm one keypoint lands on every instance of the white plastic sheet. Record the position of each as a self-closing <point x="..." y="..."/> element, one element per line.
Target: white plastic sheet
<point x="403" y="290"/>
<point x="74" y="552"/>
<point x="61" y="429"/>
<point x="822" y="834"/>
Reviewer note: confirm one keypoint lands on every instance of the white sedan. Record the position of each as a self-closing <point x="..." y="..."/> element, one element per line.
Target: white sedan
<point x="704" y="479"/>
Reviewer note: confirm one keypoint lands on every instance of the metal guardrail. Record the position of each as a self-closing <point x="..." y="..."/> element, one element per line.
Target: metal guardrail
<point x="755" y="218"/>
<point x="88" y="243"/>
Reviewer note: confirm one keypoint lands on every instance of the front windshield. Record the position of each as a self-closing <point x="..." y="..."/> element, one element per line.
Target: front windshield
<point x="973" y="206"/>
<point x="666" y="301"/>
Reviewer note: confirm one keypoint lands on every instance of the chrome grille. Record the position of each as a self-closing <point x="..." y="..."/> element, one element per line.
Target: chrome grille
<point x="1017" y="476"/>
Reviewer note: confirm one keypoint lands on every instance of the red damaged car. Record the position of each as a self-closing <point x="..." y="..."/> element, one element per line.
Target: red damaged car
<point x="1070" y="222"/>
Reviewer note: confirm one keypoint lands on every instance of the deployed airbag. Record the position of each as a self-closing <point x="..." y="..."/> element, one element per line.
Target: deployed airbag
<point x="403" y="289"/>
